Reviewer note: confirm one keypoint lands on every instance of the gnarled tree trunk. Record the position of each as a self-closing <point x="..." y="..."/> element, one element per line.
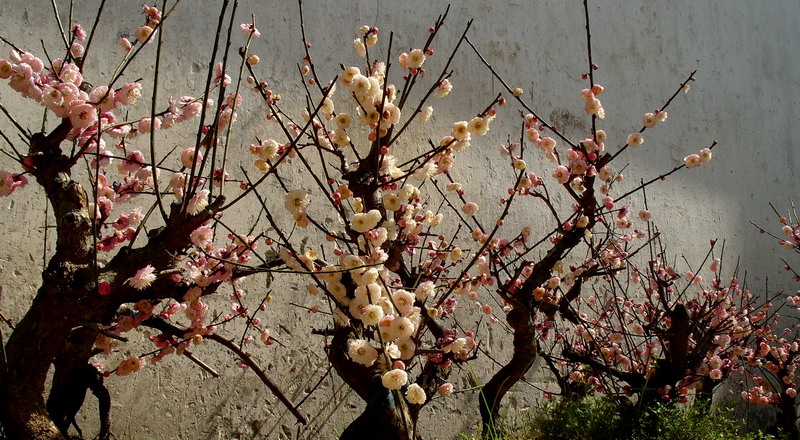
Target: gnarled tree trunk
<point x="386" y="416"/>
<point x="786" y="423"/>
<point x="521" y="318"/>
<point x="30" y="350"/>
<point x="73" y="376"/>
<point x="68" y="298"/>
<point x="61" y="303"/>
<point x="525" y="352"/>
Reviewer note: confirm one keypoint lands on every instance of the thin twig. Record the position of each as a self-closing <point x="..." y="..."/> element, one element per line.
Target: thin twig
<point x="200" y="363"/>
<point x="60" y="25"/>
<point x="657" y="178"/>
<point x="247" y="359"/>
<point x="94" y="28"/>
<point x="591" y="64"/>
<point x="20" y="128"/>
<point x="609" y="157"/>
<point x="11" y="44"/>
<point x="153" y="102"/>
<point x="519" y="99"/>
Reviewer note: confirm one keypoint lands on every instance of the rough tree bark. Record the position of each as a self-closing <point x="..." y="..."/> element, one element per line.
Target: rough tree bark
<point x="385" y="417"/>
<point x="58" y="306"/>
<point x="68" y="299"/>
<point x="521" y="319"/>
<point x="786" y="423"/>
<point x="73" y="376"/>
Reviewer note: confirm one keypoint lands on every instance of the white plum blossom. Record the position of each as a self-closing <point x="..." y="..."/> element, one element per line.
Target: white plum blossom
<point x="692" y="161"/>
<point x="296" y="202"/>
<point x="371" y="314"/>
<point x="361" y="352"/>
<point x="424" y="290"/>
<point x="197" y="203"/>
<point x="363" y="222"/>
<point x="635" y="139"/>
<point x="460" y="131"/>
<point x="394" y="379"/>
<point x="478" y="126"/>
<point x="415" y="394"/>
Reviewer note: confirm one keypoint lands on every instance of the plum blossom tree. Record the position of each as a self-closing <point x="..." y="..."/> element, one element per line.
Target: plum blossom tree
<point x="775" y="355"/>
<point x="83" y="307"/>
<point x="677" y="340"/>
<point x="659" y="336"/>
<point x="408" y="243"/>
<point x="539" y="281"/>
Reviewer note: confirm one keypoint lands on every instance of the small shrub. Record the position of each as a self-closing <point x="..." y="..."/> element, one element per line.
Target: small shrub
<point x="670" y="422"/>
<point x="601" y="419"/>
<point x="589" y="419"/>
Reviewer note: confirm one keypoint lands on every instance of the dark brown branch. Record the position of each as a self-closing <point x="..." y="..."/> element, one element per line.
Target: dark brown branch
<point x="200" y="363"/>
<point x="167" y="327"/>
<point x="519" y="99"/>
<point x="609" y="157"/>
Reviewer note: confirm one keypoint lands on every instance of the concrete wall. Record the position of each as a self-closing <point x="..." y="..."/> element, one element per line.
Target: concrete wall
<point x="745" y="97"/>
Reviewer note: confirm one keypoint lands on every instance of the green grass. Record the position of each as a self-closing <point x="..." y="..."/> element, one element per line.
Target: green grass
<point x="602" y="419"/>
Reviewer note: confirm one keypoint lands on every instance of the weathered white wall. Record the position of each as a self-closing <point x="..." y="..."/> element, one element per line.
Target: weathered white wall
<point x="746" y="97"/>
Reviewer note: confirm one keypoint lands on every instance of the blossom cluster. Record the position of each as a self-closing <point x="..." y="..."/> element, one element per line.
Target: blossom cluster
<point x="637" y="339"/>
<point x="120" y="174"/>
<point x="363" y="281"/>
<point x="772" y="368"/>
<point x="92" y="112"/>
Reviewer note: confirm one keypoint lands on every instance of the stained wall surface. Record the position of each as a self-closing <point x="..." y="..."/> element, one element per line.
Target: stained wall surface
<point x="745" y="97"/>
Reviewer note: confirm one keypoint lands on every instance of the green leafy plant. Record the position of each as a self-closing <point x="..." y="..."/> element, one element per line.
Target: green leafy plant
<point x="593" y="418"/>
<point x="676" y="422"/>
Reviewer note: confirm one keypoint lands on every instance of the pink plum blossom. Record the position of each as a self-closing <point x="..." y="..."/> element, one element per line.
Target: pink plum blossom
<point x="561" y="174"/>
<point x="202" y="237"/>
<point x="143" y="278"/>
<point x="249" y="30"/>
